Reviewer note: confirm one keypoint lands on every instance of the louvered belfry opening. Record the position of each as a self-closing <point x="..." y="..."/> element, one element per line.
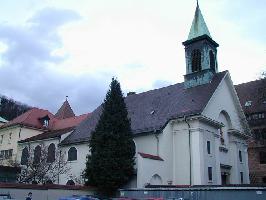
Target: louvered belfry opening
<point x="196" y="60"/>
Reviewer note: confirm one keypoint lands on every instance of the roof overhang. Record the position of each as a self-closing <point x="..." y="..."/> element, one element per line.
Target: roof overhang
<point x="202" y="37"/>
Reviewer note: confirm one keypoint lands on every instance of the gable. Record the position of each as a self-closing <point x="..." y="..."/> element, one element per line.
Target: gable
<point x="225" y="100"/>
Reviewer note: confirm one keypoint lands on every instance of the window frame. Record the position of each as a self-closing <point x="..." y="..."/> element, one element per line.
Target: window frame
<point x="262" y="157"/>
<point x="69" y="156"/>
<point x="196" y="60"/>
<point x="210" y="174"/>
<point x="242" y="177"/>
<point x="208" y="147"/>
<point x="240" y="156"/>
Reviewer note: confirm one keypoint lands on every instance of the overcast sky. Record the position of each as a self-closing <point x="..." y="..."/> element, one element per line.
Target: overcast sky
<point x="53" y="48"/>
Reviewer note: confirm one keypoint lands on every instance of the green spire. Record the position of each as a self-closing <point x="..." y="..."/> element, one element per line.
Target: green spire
<point x="198" y="27"/>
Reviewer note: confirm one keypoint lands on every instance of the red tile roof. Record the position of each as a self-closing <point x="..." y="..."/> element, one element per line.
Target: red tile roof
<point x="69" y="122"/>
<point x="57" y="127"/>
<point x="65" y="111"/>
<point x="153" y="157"/>
<point x="31" y="118"/>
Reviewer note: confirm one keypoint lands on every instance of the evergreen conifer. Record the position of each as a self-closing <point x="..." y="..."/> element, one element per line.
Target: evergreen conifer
<point x="111" y="163"/>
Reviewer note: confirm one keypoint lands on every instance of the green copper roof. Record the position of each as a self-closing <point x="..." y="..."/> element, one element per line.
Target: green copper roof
<point x="198" y="27"/>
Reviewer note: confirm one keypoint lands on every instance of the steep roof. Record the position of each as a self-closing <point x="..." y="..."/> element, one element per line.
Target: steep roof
<point x="31" y="118"/>
<point x="150" y="111"/>
<point x="198" y="27"/>
<point x="253" y="92"/>
<point x="65" y="111"/>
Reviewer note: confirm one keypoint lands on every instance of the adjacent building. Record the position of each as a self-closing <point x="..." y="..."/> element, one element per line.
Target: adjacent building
<point x="252" y="96"/>
<point x="31" y="124"/>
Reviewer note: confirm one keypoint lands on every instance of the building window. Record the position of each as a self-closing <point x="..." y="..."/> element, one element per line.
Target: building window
<point x="46" y="123"/>
<point x="2" y="153"/>
<point x="37" y="155"/>
<point x="70" y="182"/>
<point x="6" y="154"/>
<point x="264" y="179"/>
<point x="72" y="154"/>
<point x="212" y="60"/>
<point x="24" y="156"/>
<point x="248" y="103"/>
<point x="10" y="138"/>
<point x="209" y="147"/>
<point x="51" y="153"/>
<point x="1" y="139"/>
<point x="262" y="157"/>
<point x="241" y="177"/>
<point x="221" y="136"/>
<point x="210" y="173"/>
<point x="196" y="60"/>
<point x="240" y="156"/>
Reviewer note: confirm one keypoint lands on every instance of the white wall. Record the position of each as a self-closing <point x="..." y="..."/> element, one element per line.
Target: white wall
<point x="17" y="133"/>
<point x="223" y="107"/>
<point x="76" y="167"/>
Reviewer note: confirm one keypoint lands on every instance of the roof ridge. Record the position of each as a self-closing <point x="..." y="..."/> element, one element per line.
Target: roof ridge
<point x="246" y="83"/>
<point x="157" y="89"/>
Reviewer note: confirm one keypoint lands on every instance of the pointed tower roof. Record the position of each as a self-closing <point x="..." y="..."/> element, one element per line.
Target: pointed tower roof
<point x="198" y="27"/>
<point x="65" y="111"/>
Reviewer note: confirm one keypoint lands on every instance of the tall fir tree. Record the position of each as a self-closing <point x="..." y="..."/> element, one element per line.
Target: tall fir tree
<point x="111" y="163"/>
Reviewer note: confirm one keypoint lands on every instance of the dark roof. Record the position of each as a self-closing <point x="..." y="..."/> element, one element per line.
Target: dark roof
<point x="65" y="111"/>
<point x="150" y="111"/>
<point x="47" y="135"/>
<point x="254" y="91"/>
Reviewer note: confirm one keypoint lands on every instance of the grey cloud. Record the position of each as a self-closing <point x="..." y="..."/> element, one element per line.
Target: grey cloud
<point x="25" y="75"/>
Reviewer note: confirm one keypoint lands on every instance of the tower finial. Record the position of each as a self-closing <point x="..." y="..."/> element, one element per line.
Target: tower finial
<point x="197" y="3"/>
<point x="66" y="98"/>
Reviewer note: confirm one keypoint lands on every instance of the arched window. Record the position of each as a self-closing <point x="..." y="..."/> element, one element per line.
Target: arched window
<point x="24" y="156"/>
<point x="225" y="119"/>
<point x="156" y="180"/>
<point x="37" y="155"/>
<point x="72" y="154"/>
<point x="196" y="60"/>
<point x="49" y="181"/>
<point x="51" y="153"/>
<point x="212" y="60"/>
<point x="70" y="182"/>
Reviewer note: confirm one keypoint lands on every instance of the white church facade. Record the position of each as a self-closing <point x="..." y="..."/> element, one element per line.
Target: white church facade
<point x="190" y="133"/>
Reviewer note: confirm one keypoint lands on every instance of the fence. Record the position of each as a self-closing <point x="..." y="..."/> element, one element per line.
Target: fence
<point x="43" y="192"/>
<point x="197" y="193"/>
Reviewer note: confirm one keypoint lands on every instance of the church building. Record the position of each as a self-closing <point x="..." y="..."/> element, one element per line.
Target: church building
<point x="190" y="133"/>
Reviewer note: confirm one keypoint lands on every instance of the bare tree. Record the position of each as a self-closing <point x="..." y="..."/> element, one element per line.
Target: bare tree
<point x="42" y="167"/>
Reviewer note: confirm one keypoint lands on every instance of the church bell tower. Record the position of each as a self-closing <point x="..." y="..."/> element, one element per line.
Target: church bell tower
<point x="201" y="53"/>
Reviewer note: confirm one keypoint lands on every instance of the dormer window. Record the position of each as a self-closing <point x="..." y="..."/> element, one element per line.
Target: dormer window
<point x="248" y="103"/>
<point x="45" y="121"/>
